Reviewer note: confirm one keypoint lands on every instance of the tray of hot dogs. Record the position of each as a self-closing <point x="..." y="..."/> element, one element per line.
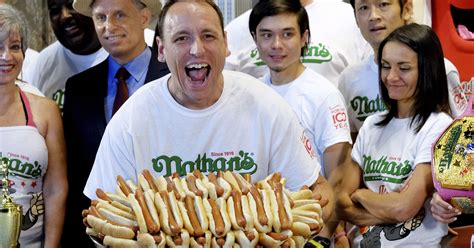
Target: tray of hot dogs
<point x="214" y="210"/>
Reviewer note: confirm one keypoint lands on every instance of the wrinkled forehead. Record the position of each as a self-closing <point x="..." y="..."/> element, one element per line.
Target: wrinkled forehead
<point x="191" y="14"/>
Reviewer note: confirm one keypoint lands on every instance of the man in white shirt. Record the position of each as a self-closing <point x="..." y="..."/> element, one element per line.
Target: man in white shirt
<point x="336" y="41"/>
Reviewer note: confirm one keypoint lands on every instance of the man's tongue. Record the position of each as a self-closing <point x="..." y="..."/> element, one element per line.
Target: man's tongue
<point x="198" y="74"/>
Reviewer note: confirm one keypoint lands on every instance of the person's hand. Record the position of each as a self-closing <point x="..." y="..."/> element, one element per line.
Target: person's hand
<point x="443" y="211"/>
<point x="322" y="200"/>
<point x="356" y="195"/>
<point x="340" y="238"/>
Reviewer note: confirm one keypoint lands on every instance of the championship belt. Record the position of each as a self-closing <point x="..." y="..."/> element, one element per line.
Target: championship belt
<point x="453" y="162"/>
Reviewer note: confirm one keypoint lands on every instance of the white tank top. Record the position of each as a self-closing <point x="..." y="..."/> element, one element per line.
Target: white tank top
<point x="25" y="151"/>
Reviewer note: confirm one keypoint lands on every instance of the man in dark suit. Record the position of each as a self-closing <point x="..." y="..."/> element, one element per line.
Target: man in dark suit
<point x="93" y="96"/>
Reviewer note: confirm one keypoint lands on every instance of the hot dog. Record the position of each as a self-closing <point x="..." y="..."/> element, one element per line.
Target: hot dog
<point x="116" y="218"/>
<point x="123" y="186"/>
<point x="226" y="241"/>
<point x="273" y="239"/>
<point x="193" y="186"/>
<point x="150" y="203"/>
<point x="237" y="182"/>
<point x="102" y="226"/>
<point x="282" y="216"/>
<point x="248" y="238"/>
<point x="169" y="213"/>
<point x="111" y="241"/>
<point x="202" y="242"/>
<point x="194" y="216"/>
<point x="151" y="241"/>
<point x="260" y="208"/>
<point x="182" y="239"/>
<point x="152" y="223"/>
<point x="146" y="181"/>
<point x="112" y="208"/>
<point x="301" y="229"/>
<point x="303" y="194"/>
<point x="114" y="199"/>
<point x="219" y="222"/>
<point x="239" y="211"/>
<point x="224" y="184"/>
<point x="215" y="190"/>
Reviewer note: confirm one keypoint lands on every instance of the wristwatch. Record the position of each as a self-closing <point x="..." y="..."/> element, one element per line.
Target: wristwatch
<point x="318" y="242"/>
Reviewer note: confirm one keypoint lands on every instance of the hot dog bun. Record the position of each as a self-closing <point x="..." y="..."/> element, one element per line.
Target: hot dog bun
<point x="111" y="241"/>
<point x="248" y="238"/>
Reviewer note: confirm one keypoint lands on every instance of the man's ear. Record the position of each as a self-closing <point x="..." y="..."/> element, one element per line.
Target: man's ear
<point x="227" y="54"/>
<point x="407" y="11"/>
<point x="161" y="50"/>
<point x="305" y="38"/>
<point x="146" y="17"/>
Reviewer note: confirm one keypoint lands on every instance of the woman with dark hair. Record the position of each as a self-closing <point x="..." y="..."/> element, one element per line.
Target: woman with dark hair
<point x="388" y="187"/>
<point x="31" y="142"/>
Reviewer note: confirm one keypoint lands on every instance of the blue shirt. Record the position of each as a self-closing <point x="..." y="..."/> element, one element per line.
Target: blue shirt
<point x="137" y="68"/>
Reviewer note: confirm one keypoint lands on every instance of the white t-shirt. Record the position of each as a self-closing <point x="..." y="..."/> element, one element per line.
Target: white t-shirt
<point x="320" y="109"/>
<point x="360" y="87"/>
<point x="56" y="64"/>
<point x="250" y="129"/>
<point x="387" y="157"/>
<point x="336" y="41"/>
<point x="29" y="65"/>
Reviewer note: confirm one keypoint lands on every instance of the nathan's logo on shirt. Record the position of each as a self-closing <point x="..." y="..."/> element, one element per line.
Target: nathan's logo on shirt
<point x="218" y="161"/>
<point x="315" y="54"/>
<point x="363" y="107"/>
<point x="22" y="168"/>
<point x="388" y="170"/>
<point x="58" y="97"/>
<point x="339" y="117"/>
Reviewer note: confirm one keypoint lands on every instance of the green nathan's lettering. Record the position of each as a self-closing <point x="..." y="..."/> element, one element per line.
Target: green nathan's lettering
<point x="392" y="170"/>
<point x="167" y="164"/>
<point x="364" y="107"/>
<point x="23" y="168"/>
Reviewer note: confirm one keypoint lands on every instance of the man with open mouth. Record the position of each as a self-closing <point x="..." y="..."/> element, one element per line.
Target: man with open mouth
<point x="203" y="117"/>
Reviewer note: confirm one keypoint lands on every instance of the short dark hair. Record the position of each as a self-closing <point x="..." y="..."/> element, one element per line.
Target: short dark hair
<point x="266" y="8"/>
<point x="431" y="93"/>
<point x="169" y="3"/>
<point x="352" y="2"/>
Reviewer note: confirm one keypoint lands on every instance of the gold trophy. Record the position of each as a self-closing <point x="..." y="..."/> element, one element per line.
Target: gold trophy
<point x="10" y="213"/>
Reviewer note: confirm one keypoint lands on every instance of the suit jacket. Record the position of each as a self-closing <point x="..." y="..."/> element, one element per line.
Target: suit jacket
<point x="84" y="124"/>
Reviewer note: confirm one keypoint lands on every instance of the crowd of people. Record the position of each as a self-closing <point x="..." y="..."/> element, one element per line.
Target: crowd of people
<point x="346" y="99"/>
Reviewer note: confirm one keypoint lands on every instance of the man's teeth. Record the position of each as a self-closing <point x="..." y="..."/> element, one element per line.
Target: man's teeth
<point x="197" y="66"/>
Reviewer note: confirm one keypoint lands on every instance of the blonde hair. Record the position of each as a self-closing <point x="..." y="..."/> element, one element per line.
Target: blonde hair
<point x="12" y="20"/>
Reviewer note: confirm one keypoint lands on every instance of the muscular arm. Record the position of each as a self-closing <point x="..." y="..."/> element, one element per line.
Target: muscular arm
<point x="55" y="183"/>
<point x="400" y="206"/>
<point x="323" y="188"/>
<point x="346" y="209"/>
<point x="335" y="157"/>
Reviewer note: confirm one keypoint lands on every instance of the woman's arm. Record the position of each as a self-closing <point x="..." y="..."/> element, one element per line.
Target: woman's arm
<point x="346" y="209"/>
<point x="400" y="206"/>
<point x="55" y="182"/>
